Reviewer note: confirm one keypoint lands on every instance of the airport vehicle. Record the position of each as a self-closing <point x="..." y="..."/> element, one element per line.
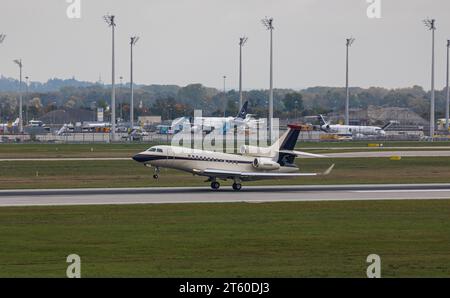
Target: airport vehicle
<point x="136" y="134"/>
<point x="103" y="127"/>
<point x="441" y="124"/>
<point x="256" y="163"/>
<point x="36" y="127"/>
<point x="352" y="130"/>
<point x="8" y="127"/>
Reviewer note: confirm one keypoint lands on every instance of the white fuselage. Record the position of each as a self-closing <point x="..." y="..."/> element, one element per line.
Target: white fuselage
<point x="349" y="130"/>
<point x="224" y="123"/>
<point x="196" y="161"/>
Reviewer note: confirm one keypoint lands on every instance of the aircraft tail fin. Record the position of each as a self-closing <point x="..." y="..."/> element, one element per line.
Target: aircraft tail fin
<point x="322" y="120"/>
<point x="389" y="124"/>
<point x="243" y="112"/>
<point x="286" y="143"/>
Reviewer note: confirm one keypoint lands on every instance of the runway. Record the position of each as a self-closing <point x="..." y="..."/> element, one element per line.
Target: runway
<point x="361" y="154"/>
<point x="249" y="194"/>
<point x="412" y="153"/>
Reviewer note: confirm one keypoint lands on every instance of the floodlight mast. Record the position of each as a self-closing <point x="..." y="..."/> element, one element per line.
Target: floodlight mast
<point x="431" y="25"/>
<point x="2" y="38"/>
<point x="348" y="43"/>
<point x="225" y="95"/>
<point x="448" y="90"/>
<point x="133" y="41"/>
<point x="110" y="20"/>
<point x="27" y="82"/>
<point x="19" y="63"/>
<point x="268" y="23"/>
<point x="242" y="42"/>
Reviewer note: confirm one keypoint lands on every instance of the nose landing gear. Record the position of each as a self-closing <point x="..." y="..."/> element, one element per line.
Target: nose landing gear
<point x="156" y="176"/>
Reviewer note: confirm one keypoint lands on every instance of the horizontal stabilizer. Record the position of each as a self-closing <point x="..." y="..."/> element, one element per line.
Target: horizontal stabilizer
<point x="301" y="153"/>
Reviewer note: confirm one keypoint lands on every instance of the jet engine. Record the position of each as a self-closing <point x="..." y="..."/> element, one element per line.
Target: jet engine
<point x="265" y="164"/>
<point x="325" y="128"/>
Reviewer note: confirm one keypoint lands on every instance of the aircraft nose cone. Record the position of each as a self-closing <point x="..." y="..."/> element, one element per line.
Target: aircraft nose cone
<point x="139" y="158"/>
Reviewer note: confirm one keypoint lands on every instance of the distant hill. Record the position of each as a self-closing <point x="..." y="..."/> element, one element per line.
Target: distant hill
<point x="10" y="84"/>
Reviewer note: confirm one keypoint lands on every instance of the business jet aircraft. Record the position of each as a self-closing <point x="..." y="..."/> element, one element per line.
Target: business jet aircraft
<point x="256" y="163"/>
<point x="351" y="130"/>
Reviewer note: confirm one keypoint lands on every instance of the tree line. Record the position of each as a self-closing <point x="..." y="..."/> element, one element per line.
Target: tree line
<point x="171" y="101"/>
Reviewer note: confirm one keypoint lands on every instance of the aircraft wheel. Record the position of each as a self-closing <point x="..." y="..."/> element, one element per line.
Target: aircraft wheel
<point x="155" y="176"/>
<point x="237" y="186"/>
<point x="215" y="185"/>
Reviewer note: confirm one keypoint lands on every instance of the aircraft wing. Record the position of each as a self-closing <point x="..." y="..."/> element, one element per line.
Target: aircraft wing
<point x="249" y="175"/>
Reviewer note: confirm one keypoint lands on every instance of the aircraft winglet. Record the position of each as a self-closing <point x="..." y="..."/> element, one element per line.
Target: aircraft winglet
<point x="328" y="171"/>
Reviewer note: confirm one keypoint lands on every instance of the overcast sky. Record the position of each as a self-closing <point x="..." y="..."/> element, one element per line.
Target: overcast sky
<point x="196" y="41"/>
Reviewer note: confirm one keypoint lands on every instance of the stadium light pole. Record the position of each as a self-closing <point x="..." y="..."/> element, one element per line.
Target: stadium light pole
<point x="133" y="41"/>
<point x="225" y="95"/>
<point x="19" y="63"/>
<point x="447" y="87"/>
<point x="348" y="43"/>
<point x="268" y="23"/>
<point x="224" y="84"/>
<point x="2" y="38"/>
<point x="27" y="78"/>
<point x="242" y="41"/>
<point x="110" y="20"/>
<point x="430" y="24"/>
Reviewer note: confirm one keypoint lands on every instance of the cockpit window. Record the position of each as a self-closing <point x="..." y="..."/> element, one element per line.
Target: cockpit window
<point x="155" y="150"/>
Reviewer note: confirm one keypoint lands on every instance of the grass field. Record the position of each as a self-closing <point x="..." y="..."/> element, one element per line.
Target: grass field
<point x="128" y="150"/>
<point x="123" y="173"/>
<point x="303" y="239"/>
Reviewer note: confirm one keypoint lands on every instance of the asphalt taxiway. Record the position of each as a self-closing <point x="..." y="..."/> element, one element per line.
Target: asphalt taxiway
<point x="249" y="194"/>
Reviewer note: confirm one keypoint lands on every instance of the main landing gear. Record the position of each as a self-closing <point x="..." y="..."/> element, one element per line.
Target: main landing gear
<point x="237" y="186"/>
<point x="215" y="185"/>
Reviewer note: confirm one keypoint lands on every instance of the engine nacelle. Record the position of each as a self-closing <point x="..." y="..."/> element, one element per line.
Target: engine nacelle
<point x="255" y="151"/>
<point x="265" y="164"/>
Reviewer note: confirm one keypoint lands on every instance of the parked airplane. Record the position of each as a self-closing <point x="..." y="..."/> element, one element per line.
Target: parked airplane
<point x="207" y="124"/>
<point x="352" y="130"/>
<point x="276" y="161"/>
